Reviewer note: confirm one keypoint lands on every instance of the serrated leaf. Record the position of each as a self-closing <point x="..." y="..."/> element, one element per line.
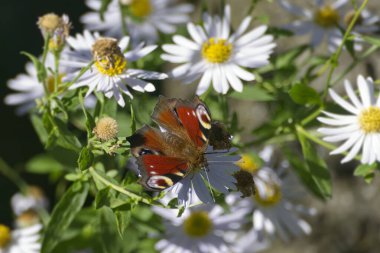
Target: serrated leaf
<point x="252" y="93"/>
<point x="63" y="214"/>
<point x="86" y="157"/>
<point x="303" y="94"/>
<point x="314" y="170"/>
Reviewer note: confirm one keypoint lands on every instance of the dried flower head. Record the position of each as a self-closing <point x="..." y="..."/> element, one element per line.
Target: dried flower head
<point x="58" y="28"/>
<point x="106" y="129"/>
<point x="27" y="219"/>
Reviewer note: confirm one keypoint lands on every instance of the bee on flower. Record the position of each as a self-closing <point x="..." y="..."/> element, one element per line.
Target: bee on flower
<point x="110" y="72"/>
<point x="144" y="19"/>
<point x="275" y="206"/>
<point x="218" y="57"/>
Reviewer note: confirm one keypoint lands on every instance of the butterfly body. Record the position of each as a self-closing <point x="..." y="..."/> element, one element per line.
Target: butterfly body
<point x="168" y="154"/>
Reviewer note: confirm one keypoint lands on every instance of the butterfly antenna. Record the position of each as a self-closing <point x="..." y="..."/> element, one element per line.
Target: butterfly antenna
<point x="209" y="185"/>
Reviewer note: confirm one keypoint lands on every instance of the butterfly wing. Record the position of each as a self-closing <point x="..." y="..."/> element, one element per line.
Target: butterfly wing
<point x="192" y="120"/>
<point x="159" y="170"/>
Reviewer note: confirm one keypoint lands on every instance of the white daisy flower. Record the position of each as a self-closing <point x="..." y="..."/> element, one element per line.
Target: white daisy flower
<point x="205" y="228"/>
<point x="144" y="19"/>
<point x="34" y="199"/>
<point x="109" y="73"/>
<point x="366" y="24"/>
<point x="20" y="240"/>
<point x="321" y="21"/>
<point x="217" y="55"/>
<point x="273" y="206"/>
<point x="218" y="174"/>
<point x="360" y="129"/>
<point x="29" y="88"/>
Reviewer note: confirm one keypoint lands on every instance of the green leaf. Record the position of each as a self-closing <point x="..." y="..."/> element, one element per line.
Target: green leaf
<point x="372" y="40"/>
<point x="103" y="8"/>
<point x="365" y="169"/>
<point x="63" y="214"/>
<point x="110" y="108"/>
<point x="86" y="157"/>
<point x="253" y="93"/>
<point x="303" y="94"/>
<point x="103" y="198"/>
<point x="109" y="239"/>
<point x="43" y="164"/>
<point x="287" y="58"/>
<point x="123" y="218"/>
<point x="40" y="68"/>
<point x="313" y="171"/>
<point x="39" y="128"/>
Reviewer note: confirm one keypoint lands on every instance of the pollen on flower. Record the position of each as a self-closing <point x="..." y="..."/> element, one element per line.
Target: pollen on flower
<point x="5" y="236"/>
<point x="106" y="129"/>
<point x="108" y="57"/>
<point x="216" y="50"/>
<point x="247" y="163"/>
<point x="140" y="8"/>
<point x="326" y="16"/>
<point x="370" y="120"/>
<point x="270" y="196"/>
<point x="198" y="224"/>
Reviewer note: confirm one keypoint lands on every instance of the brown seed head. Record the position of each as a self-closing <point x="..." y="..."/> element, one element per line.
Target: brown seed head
<point x="106" y="129"/>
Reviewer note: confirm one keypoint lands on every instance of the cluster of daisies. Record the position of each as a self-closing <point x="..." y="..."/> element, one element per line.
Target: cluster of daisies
<point x="217" y="58"/>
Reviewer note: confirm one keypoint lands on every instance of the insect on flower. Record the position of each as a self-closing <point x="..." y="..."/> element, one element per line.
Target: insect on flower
<point x="186" y="151"/>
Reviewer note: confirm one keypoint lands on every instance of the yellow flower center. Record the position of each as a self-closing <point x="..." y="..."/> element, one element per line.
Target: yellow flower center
<point x="270" y="197"/>
<point x="198" y="224"/>
<point x="111" y="66"/>
<point x="216" y="50"/>
<point x="140" y="8"/>
<point x="5" y="236"/>
<point x="326" y="16"/>
<point x="370" y="120"/>
<point x="246" y="163"/>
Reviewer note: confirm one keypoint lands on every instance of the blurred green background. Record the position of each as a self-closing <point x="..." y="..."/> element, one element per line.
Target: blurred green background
<point x="18" y="142"/>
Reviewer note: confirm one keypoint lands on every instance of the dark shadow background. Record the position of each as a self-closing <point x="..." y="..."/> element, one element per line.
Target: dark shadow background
<point x="18" y="142"/>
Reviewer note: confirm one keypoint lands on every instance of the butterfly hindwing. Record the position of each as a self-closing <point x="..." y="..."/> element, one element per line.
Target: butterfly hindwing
<point x="158" y="169"/>
<point x="160" y="172"/>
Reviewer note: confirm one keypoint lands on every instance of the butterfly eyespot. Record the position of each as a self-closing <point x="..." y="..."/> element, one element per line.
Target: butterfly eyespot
<point x="159" y="182"/>
<point x="145" y="151"/>
<point x="203" y="117"/>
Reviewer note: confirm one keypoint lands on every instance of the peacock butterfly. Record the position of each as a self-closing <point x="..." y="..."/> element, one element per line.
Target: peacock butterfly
<point x="168" y="154"/>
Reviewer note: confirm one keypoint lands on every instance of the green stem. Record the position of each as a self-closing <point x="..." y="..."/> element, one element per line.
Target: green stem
<point x="43" y="60"/>
<point x="13" y="176"/>
<point x="82" y="71"/>
<point x="312" y="116"/>
<point x="56" y="71"/>
<point x="314" y="138"/>
<point x="118" y="188"/>
<point x="334" y="58"/>
<point x="122" y="16"/>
